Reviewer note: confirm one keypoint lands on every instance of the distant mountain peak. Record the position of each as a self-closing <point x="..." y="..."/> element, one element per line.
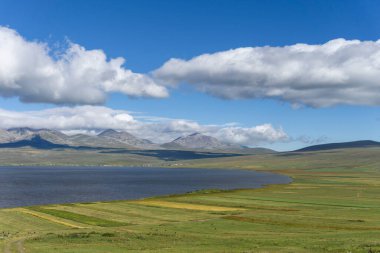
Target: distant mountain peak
<point x="195" y="134"/>
<point x="197" y="141"/>
<point x="189" y="136"/>
<point x="22" y="130"/>
<point x="107" y="132"/>
<point x="126" y="138"/>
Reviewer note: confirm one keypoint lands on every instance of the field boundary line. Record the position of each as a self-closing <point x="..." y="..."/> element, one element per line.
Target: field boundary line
<point x="48" y="218"/>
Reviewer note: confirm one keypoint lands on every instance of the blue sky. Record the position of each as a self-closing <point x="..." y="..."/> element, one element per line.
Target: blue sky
<point x="149" y="33"/>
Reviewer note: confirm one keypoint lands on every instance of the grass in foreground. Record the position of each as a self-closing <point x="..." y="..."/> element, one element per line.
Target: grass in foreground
<point x="333" y="205"/>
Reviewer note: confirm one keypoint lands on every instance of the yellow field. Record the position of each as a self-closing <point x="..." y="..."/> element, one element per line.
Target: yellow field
<point x="47" y="217"/>
<point x="160" y="203"/>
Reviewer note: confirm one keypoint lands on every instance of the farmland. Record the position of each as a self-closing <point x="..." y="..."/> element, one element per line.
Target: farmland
<point x="333" y="205"/>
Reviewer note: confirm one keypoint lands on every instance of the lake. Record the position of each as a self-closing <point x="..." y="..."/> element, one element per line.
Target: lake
<point x="25" y="186"/>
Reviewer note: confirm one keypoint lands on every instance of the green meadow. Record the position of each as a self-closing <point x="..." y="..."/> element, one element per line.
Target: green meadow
<point x="332" y="205"/>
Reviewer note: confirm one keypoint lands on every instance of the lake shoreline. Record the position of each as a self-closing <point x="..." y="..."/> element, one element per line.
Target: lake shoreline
<point x="176" y="181"/>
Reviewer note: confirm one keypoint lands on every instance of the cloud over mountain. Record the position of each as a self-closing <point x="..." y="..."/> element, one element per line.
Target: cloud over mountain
<point x="34" y="72"/>
<point x="337" y="72"/>
<point x="92" y="119"/>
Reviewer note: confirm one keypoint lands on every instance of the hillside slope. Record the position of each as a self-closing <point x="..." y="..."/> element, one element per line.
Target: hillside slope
<point x="341" y="145"/>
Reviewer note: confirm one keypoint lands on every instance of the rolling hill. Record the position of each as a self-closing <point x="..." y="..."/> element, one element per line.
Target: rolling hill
<point x="341" y="145"/>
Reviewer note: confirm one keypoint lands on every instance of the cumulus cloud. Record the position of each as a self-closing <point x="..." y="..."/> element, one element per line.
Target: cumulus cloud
<point x="93" y="119"/>
<point x="337" y="72"/>
<point x="68" y="118"/>
<point x="33" y="72"/>
<point x="247" y="136"/>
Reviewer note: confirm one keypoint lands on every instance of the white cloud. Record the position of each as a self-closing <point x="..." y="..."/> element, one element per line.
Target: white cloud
<point x="68" y="118"/>
<point x="337" y="72"/>
<point x="92" y="119"/>
<point x="254" y="135"/>
<point x="33" y="72"/>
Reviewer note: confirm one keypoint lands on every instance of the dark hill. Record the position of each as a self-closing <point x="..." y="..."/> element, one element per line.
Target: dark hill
<point x="341" y="145"/>
<point x="35" y="142"/>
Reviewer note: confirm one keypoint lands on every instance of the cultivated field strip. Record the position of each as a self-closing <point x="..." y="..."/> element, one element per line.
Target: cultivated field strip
<point x="331" y="209"/>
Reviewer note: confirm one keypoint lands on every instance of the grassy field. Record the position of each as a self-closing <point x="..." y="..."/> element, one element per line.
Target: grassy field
<point x="333" y="205"/>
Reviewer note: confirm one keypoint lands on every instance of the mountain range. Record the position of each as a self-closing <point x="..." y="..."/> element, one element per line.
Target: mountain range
<point x="48" y="138"/>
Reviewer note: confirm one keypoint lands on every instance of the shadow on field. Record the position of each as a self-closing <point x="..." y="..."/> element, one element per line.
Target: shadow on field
<point x="173" y="155"/>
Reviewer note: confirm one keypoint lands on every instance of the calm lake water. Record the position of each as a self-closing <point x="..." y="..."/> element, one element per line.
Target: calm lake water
<point x="24" y="186"/>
